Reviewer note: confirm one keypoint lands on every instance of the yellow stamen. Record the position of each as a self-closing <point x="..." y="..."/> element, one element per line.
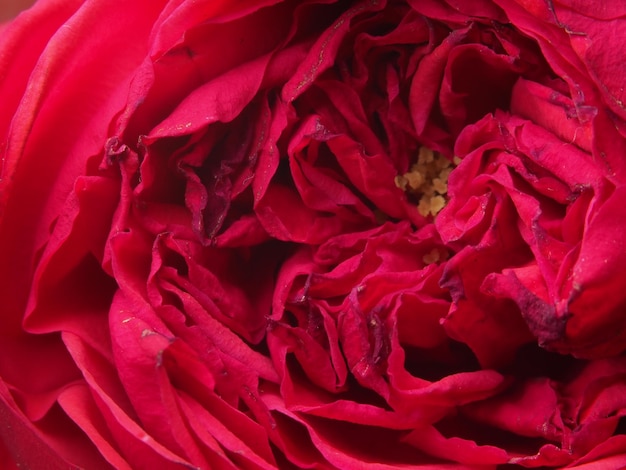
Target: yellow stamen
<point x="427" y="181"/>
<point x="431" y="257"/>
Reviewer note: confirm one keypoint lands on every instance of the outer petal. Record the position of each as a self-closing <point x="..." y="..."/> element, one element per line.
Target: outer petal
<point x="66" y="125"/>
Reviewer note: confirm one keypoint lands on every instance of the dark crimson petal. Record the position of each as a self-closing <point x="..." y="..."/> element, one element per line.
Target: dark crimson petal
<point x="174" y="67"/>
<point x="373" y="175"/>
<point x="24" y="442"/>
<point x="609" y="454"/>
<point x="566" y="54"/>
<point x="545" y="294"/>
<point x="141" y="359"/>
<point x="597" y="296"/>
<point x="464" y="275"/>
<point x="596" y="32"/>
<point x="425" y="88"/>
<point x="322" y="54"/>
<point x="234" y="439"/>
<point x="22" y="44"/>
<point x="73" y="255"/>
<point x="551" y="110"/>
<point x="31" y="210"/>
<point x="322" y="443"/>
<point x="127" y="436"/>
<point x="460" y="84"/>
<point x="79" y="405"/>
<point x="285" y="217"/>
<point x="466" y="452"/>
<point x="527" y="409"/>
<point x="457" y="11"/>
<point x="322" y="187"/>
<point x="239" y="85"/>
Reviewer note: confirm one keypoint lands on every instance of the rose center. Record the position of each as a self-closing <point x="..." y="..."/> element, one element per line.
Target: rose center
<point x="427" y="181"/>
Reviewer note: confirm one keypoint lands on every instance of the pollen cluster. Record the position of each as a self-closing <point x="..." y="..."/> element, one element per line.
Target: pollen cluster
<point x="427" y="181"/>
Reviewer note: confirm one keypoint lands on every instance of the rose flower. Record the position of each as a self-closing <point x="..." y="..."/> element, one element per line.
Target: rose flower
<point x="318" y="234"/>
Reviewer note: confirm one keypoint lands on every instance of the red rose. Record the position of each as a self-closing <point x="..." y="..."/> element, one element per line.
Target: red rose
<point x="370" y="234"/>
